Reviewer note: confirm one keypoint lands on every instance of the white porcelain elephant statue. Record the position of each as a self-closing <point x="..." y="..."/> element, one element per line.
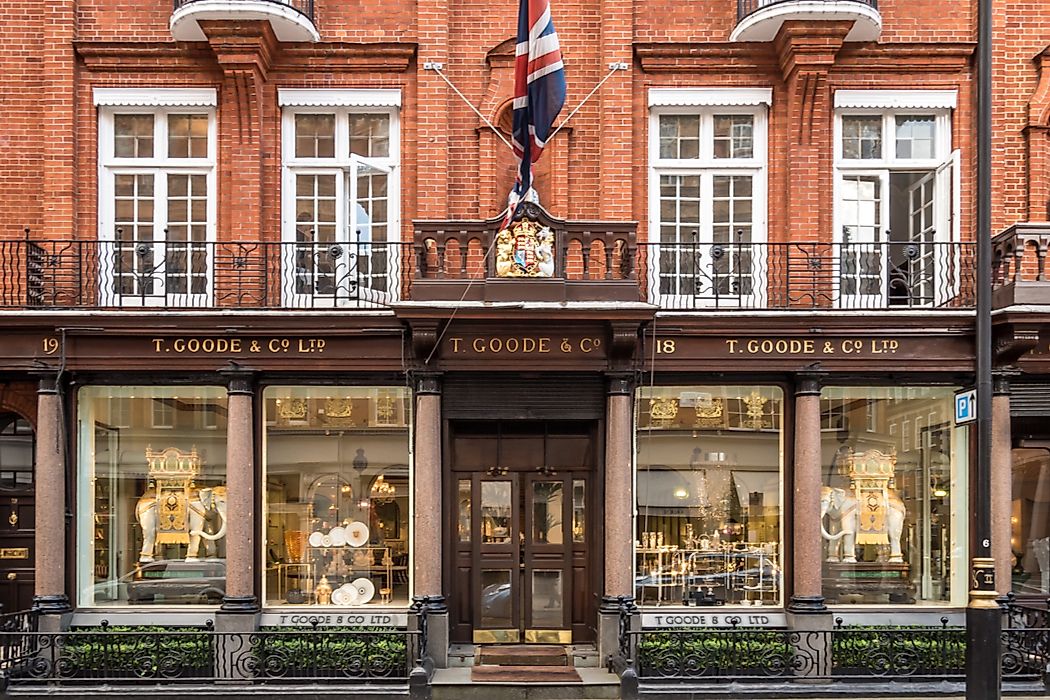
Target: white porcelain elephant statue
<point x="842" y="507"/>
<point x="201" y="501"/>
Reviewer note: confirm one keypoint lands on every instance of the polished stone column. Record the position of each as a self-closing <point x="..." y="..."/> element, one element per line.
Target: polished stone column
<point x="618" y="536"/>
<point x="427" y="563"/>
<point x="807" y="543"/>
<point x="241" y="523"/>
<point x="50" y="542"/>
<point x="1002" y="483"/>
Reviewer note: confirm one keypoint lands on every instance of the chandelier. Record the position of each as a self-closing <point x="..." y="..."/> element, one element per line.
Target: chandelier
<point x="382" y="491"/>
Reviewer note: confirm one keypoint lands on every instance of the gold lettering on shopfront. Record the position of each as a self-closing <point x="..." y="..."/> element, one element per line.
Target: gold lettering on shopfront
<point x="523" y="345"/>
<point x="211" y="346"/>
<point x="795" y="346"/>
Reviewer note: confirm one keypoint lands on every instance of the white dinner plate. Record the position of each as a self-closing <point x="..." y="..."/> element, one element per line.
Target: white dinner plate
<point x="366" y="590"/>
<point x="338" y="536"/>
<point x="326" y="541"/>
<point x="349" y="594"/>
<point x="315" y="539"/>
<point x="356" y="533"/>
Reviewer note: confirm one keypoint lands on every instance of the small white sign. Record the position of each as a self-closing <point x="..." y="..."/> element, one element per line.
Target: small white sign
<point x="712" y="618"/>
<point x="966" y="406"/>
<point x="346" y="618"/>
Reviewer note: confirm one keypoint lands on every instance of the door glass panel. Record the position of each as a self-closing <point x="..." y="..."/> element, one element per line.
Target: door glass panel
<point x="547" y="599"/>
<point x="579" y="524"/>
<point x="547" y="502"/>
<point x="464" y="510"/>
<point x="495" y="599"/>
<point x="495" y="512"/>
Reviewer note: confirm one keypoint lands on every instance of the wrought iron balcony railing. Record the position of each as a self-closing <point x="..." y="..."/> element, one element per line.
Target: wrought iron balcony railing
<point x="200" y="275"/>
<point x="844" y="276"/>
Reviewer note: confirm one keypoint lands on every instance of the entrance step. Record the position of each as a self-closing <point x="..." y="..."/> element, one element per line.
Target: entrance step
<point x="522" y="655"/>
<point x="460" y="655"/>
<point x="584" y="656"/>
<point x="458" y="684"/>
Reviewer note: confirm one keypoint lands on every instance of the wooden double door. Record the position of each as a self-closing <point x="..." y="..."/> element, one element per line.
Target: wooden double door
<point x="523" y="538"/>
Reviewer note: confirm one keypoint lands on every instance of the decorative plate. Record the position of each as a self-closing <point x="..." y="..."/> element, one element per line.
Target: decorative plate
<point x="349" y="594"/>
<point x="326" y="541"/>
<point x="338" y="536"/>
<point x="315" y="539"/>
<point x="366" y="590"/>
<point x="356" y="534"/>
<point x="340" y="596"/>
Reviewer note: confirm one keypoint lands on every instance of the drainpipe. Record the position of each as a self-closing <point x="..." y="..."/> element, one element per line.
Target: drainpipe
<point x="983" y="616"/>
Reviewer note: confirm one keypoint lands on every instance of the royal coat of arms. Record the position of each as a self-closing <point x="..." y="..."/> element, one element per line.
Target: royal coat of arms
<point x="525" y="249"/>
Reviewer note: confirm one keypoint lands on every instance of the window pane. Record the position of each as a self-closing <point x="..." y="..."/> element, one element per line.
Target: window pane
<point x="734" y="136"/>
<point x="187" y="135"/>
<point x="464" y="527"/>
<point x="370" y="135"/>
<point x="915" y="136"/>
<point x="679" y="136"/>
<point x="709" y="488"/>
<point x="146" y="447"/>
<point x="862" y="137"/>
<point x="314" y="135"/>
<point x="1030" y="521"/>
<point x="337" y="496"/>
<point x="16" y="452"/>
<point x="897" y="451"/>
<point x="133" y="135"/>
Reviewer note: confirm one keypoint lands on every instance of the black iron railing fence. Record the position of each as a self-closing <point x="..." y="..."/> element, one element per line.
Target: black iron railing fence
<point x="303" y="7"/>
<point x="175" y="274"/>
<point x="114" y="655"/>
<point x="881" y="275"/>
<point x="747" y="7"/>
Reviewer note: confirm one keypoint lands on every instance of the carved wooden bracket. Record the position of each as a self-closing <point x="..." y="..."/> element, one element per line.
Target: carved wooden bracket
<point x="424" y="337"/>
<point x="1011" y="341"/>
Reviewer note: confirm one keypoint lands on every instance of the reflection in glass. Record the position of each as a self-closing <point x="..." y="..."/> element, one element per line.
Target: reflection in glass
<point x="337" y="496"/>
<point x="1030" y="521"/>
<point x="579" y="524"/>
<point x="464" y="510"/>
<point x="893" y="496"/>
<point x="547" y="603"/>
<point x="152" y="496"/>
<point x="709" y="494"/>
<point x="495" y="599"/>
<point x="495" y="512"/>
<point x="547" y="512"/>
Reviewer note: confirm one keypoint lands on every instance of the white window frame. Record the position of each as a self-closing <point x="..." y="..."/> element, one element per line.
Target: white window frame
<point x="342" y="104"/>
<point x="160" y="103"/>
<point x="707" y="104"/>
<point x="888" y="105"/>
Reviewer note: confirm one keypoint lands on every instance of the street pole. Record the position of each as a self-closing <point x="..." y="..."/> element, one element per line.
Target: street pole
<point x="983" y="618"/>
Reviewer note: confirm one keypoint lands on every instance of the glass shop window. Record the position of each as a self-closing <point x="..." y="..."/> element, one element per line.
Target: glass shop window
<point x="709" y="490"/>
<point x="337" y="495"/>
<point x="893" y="497"/>
<point x="151" y="498"/>
<point x="1030" y="521"/>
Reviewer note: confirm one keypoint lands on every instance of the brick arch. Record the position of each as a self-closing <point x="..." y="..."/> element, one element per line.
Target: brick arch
<point x="19" y="398"/>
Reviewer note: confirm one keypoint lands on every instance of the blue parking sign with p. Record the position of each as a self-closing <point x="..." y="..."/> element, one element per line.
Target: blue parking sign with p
<point x="965" y="406"/>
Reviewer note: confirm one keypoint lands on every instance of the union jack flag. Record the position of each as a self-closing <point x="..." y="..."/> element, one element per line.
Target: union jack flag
<point x="539" y="91"/>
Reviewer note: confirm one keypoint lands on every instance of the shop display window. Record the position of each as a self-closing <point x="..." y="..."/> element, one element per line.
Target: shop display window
<point x="337" y="495"/>
<point x="709" y="494"/>
<point x="151" y="496"/>
<point x="1030" y="521"/>
<point x="893" y="496"/>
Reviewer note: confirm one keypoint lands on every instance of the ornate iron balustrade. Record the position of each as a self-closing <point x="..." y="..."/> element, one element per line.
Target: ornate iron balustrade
<point x="1019" y="273"/>
<point x="41" y="274"/>
<point x="834" y="276"/>
<point x="113" y="655"/>
<point x="303" y="7"/>
<point x="842" y="653"/>
<point x="747" y="7"/>
<point x="1026" y="641"/>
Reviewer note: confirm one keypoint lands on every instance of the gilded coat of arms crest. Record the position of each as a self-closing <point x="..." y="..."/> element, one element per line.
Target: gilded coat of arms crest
<point x="525" y="249"/>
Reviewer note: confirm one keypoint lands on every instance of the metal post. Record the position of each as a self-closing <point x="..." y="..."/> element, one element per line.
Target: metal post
<point x="983" y="623"/>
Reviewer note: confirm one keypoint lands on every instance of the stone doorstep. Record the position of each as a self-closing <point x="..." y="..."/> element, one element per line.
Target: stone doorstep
<point x="456" y="684"/>
<point x="522" y="655"/>
<point x="579" y="655"/>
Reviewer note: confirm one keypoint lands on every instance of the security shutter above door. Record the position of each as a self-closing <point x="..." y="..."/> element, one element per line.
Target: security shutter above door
<point x="524" y="397"/>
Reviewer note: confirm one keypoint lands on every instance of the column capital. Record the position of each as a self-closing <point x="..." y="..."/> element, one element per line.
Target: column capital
<point x="1001" y="380"/>
<point x="809" y="383"/>
<point x="239" y="380"/>
<point x="47" y="381"/>
<point x="427" y="383"/>
<point x="619" y="383"/>
<point x="432" y="604"/>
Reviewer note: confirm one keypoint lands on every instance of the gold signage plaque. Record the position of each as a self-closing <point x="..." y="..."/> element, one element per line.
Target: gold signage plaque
<point x="14" y="552"/>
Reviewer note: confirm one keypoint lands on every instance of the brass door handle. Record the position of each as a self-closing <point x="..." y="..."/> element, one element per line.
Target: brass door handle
<point x="11" y="576"/>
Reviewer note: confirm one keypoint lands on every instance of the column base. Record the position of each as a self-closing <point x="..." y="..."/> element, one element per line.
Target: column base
<point x="609" y="630"/>
<point x="52" y="604"/>
<point x="240" y="604"/>
<point x="807" y="605"/>
<point x="436" y="609"/>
